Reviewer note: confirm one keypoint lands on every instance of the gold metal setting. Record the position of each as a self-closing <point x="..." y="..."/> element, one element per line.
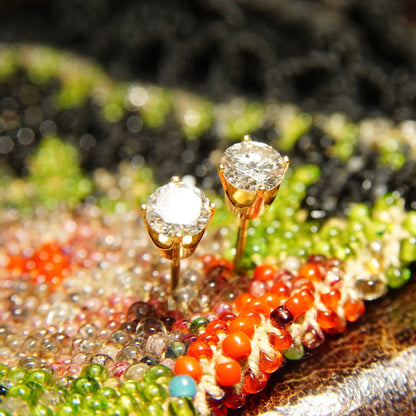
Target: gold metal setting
<point x="247" y="205"/>
<point x="177" y="248"/>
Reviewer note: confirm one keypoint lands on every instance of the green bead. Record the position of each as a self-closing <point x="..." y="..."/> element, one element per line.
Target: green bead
<point x="36" y="391"/>
<point x="198" y="325"/>
<point x="41" y="377"/>
<point x="20" y="390"/>
<point x="294" y="352"/>
<point x="17" y="373"/>
<point x="154" y="392"/>
<point x="131" y="387"/>
<point x="96" y="402"/>
<point x="410" y="222"/>
<point x="176" y="349"/>
<point x="397" y="277"/>
<point x="76" y="399"/>
<point x="84" y="385"/>
<point x="115" y="410"/>
<point x="4" y="413"/>
<point x="152" y="409"/>
<point x="181" y="406"/>
<point x="4" y="371"/>
<point x="156" y="372"/>
<point x="408" y="250"/>
<point x="67" y="410"/>
<point x="41" y="410"/>
<point x="127" y="402"/>
<point x="358" y="212"/>
<point x="108" y="393"/>
<point x="96" y="371"/>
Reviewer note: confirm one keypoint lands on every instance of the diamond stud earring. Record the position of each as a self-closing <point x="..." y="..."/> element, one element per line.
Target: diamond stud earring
<point x="176" y="216"/>
<point x="251" y="173"/>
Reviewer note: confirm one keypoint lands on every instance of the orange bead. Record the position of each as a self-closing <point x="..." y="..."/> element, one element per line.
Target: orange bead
<point x="215" y="327"/>
<point x="190" y="366"/>
<point x="253" y="384"/>
<point x="331" y="298"/>
<point x="210" y="339"/>
<point x="259" y="306"/>
<point x="270" y="364"/>
<point x="280" y="339"/>
<point x="264" y="272"/>
<point x="353" y="309"/>
<point x="300" y="302"/>
<point x="237" y="345"/>
<point x="242" y="300"/>
<point x="330" y="322"/>
<point x="312" y="271"/>
<point x="250" y="314"/>
<point x="199" y="349"/>
<point x="272" y="299"/>
<point x="281" y="290"/>
<point x="242" y="323"/>
<point x="228" y="373"/>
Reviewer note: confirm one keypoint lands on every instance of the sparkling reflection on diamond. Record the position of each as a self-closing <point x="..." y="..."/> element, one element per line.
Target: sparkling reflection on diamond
<point x="250" y="165"/>
<point x="178" y="208"/>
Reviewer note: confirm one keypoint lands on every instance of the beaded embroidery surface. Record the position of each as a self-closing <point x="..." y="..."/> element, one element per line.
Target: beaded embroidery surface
<point x="87" y="319"/>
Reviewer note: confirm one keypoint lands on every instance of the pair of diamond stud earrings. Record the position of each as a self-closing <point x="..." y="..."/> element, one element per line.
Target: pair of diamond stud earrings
<point x="176" y="215"/>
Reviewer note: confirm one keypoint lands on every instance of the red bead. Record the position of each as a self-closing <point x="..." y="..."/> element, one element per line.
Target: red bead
<point x="211" y="262"/>
<point x="353" y="309"/>
<point x="281" y="316"/>
<point x="215" y="327"/>
<point x="259" y="306"/>
<point x="226" y="316"/>
<point x="280" y="289"/>
<point x="242" y="301"/>
<point x="199" y="349"/>
<point x="264" y="272"/>
<point x="253" y="384"/>
<point x="331" y="298"/>
<point x="313" y="337"/>
<point x="300" y="302"/>
<point x="330" y="322"/>
<point x="312" y="271"/>
<point x="237" y="345"/>
<point x="242" y="323"/>
<point x="272" y="299"/>
<point x="281" y="340"/>
<point x="270" y="364"/>
<point x="190" y="366"/>
<point x="233" y="400"/>
<point x="228" y="373"/>
<point x="210" y="339"/>
<point x="250" y="314"/>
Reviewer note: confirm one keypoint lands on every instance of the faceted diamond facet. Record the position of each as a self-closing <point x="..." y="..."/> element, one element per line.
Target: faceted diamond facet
<point x="250" y="165"/>
<point x="178" y="208"/>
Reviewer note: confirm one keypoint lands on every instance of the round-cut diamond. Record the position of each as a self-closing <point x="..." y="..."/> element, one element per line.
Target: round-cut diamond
<point x="250" y="165"/>
<point x="178" y="208"/>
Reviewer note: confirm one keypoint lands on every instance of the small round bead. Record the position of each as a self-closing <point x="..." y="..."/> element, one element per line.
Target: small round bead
<point x="264" y="272"/>
<point x="331" y="298"/>
<point x="252" y="315"/>
<point x="190" y="366"/>
<point x="312" y="271"/>
<point x="210" y="339"/>
<point x="242" y="323"/>
<point x="216" y="326"/>
<point x="200" y="349"/>
<point x="353" y="309"/>
<point x="253" y="384"/>
<point x="269" y="364"/>
<point x="237" y="345"/>
<point x="330" y="322"/>
<point x="242" y="301"/>
<point x="272" y="299"/>
<point x="281" y="339"/>
<point x="259" y="306"/>
<point x="182" y="385"/>
<point x="300" y="302"/>
<point x="280" y="289"/>
<point x="228" y="373"/>
<point x="281" y="316"/>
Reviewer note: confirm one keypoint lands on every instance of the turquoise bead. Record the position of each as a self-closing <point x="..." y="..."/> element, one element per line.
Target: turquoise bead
<point x="182" y="385"/>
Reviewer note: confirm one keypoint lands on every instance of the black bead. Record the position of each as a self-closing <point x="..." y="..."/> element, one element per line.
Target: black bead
<point x="281" y="316"/>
